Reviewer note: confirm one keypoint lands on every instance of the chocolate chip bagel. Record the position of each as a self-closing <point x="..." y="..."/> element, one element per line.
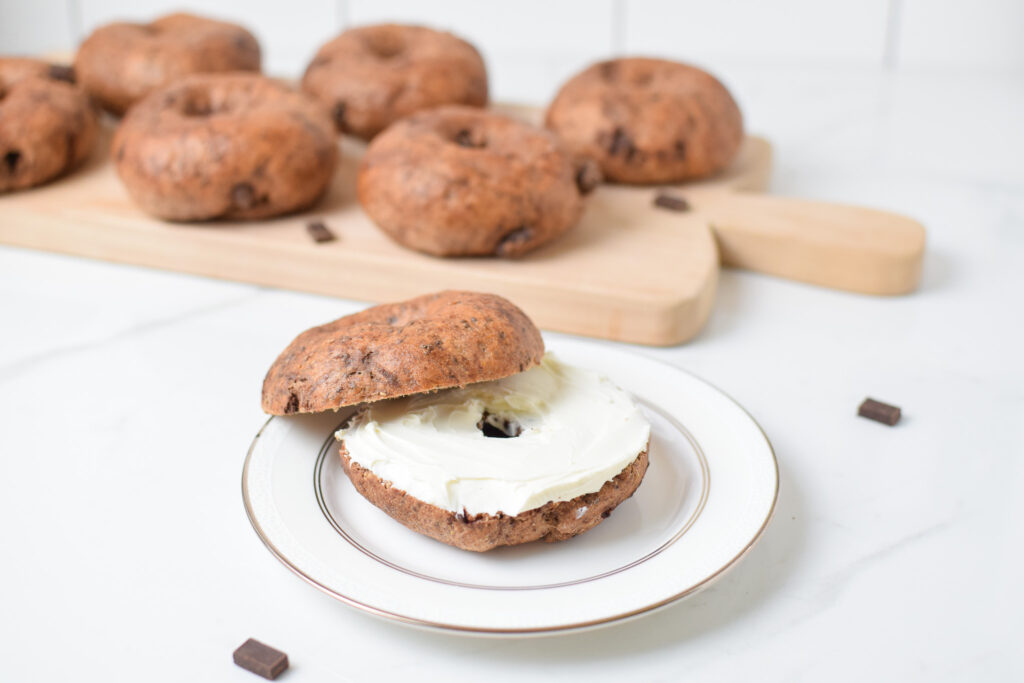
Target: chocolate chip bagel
<point x="460" y="427"/>
<point x="648" y="120"/>
<point x="483" y="531"/>
<point x="120" y="63"/>
<point x="458" y="181"/>
<point x="432" y="342"/>
<point x="47" y="125"/>
<point x="237" y="146"/>
<point x="373" y="75"/>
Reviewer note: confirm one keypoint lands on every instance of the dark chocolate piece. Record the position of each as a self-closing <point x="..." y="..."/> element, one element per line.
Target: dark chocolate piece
<point x="11" y="160"/>
<point x="338" y="114"/>
<point x="512" y="240"/>
<point x="499" y="428"/>
<point x="319" y="232"/>
<point x="879" y="412"/>
<point x="588" y="176"/>
<point x="243" y="196"/>
<point x="671" y="202"/>
<point x="261" y="659"/>
<point x="469" y="138"/>
<point x="60" y="72"/>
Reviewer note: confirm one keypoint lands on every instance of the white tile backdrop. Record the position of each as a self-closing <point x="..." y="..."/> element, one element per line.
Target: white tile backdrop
<point x="531" y="46"/>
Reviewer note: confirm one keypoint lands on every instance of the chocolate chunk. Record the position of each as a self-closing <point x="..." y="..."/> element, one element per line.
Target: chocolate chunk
<point x="59" y="72"/>
<point x="671" y="202"/>
<point x="261" y="659"/>
<point x="588" y="176"/>
<point x="244" y="196"/>
<point x="497" y="427"/>
<point x="319" y="232"/>
<point x="621" y="144"/>
<point x="11" y="160"/>
<point x="879" y="412"/>
<point x="338" y="114"/>
<point x="242" y="42"/>
<point x="197" y="107"/>
<point x="511" y="242"/>
<point x="467" y="138"/>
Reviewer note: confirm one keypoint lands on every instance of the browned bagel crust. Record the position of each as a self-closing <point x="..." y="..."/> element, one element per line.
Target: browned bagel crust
<point x="238" y="146"/>
<point x="47" y="124"/>
<point x="371" y="76"/>
<point x="457" y="181"/>
<point x="482" y="532"/>
<point x="432" y="342"/>
<point x="120" y="63"/>
<point x="648" y="120"/>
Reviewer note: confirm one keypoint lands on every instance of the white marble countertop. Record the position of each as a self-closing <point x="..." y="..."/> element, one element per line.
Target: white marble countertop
<point x="129" y="397"/>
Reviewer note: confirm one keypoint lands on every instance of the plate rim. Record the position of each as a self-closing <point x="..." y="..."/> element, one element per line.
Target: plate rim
<point x="441" y="627"/>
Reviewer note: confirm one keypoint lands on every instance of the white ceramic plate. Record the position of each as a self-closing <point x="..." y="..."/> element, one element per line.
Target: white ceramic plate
<point x="707" y="496"/>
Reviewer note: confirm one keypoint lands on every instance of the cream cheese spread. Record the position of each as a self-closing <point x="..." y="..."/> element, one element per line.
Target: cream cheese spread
<point x="576" y="430"/>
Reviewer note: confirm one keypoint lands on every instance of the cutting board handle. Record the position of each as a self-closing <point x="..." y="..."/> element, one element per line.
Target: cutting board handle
<point x="833" y="245"/>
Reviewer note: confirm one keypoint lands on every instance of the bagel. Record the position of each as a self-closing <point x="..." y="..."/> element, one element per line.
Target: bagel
<point x="236" y="146"/>
<point x="372" y="76"/>
<point x="47" y="124"/>
<point x="120" y="63"/>
<point x="428" y="343"/>
<point x="462" y="429"/>
<point x="648" y="121"/>
<point x="458" y="181"/>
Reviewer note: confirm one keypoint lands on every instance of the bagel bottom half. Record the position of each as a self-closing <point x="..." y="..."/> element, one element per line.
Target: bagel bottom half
<point x="549" y="522"/>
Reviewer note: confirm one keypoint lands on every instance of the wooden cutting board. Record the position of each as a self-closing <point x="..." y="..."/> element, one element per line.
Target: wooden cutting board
<point x="629" y="271"/>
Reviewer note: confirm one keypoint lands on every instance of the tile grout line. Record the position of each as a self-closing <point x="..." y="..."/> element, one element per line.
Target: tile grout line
<point x="893" y="25"/>
<point x="341" y="15"/>
<point x="74" y="10"/>
<point x="618" y="33"/>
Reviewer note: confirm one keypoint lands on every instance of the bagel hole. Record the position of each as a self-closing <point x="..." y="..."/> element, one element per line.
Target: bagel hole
<point x="384" y="45"/>
<point x="473" y="139"/>
<point x="197" y="107"/>
<point x="11" y="160"/>
<point x="497" y="427"/>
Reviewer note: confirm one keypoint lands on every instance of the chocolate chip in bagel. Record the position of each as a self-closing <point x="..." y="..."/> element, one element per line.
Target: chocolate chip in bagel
<point x="497" y="427"/>
<point x="60" y="72"/>
<point x="473" y="139"/>
<point x="588" y="176"/>
<point x="11" y="160"/>
<point x="197" y="107"/>
<point x="619" y="142"/>
<point x="512" y="243"/>
<point x="243" y="196"/>
<point x="609" y="70"/>
<point x="338" y="114"/>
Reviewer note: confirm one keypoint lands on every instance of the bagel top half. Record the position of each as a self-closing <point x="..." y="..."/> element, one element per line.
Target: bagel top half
<point x="437" y="341"/>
